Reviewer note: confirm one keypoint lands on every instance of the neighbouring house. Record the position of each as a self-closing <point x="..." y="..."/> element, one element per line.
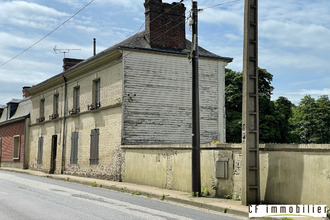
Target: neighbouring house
<point x="14" y="121"/>
<point x="137" y="92"/>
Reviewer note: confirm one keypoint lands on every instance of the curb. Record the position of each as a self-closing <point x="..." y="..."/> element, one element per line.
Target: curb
<point x="220" y="209"/>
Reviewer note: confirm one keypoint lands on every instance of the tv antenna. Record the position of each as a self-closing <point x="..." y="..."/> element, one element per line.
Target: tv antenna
<point x="64" y="51"/>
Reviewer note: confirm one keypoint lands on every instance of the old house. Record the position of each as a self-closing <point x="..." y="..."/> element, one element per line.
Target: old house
<point x="14" y="120"/>
<point x="137" y="92"/>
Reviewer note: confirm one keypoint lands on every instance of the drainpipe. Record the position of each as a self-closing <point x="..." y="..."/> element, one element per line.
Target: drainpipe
<point x="64" y="124"/>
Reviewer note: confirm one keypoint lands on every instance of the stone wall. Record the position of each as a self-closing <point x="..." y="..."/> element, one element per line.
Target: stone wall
<point x="290" y="174"/>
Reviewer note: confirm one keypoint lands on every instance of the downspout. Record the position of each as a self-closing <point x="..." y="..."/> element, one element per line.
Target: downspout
<point x="64" y="124"/>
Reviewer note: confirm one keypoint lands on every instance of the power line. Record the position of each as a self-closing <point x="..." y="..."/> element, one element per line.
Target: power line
<point x="47" y="34"/>
<point x="217" y="5"/>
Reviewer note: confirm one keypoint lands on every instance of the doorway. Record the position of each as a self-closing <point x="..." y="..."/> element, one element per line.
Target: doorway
<point x="53" y="155"/>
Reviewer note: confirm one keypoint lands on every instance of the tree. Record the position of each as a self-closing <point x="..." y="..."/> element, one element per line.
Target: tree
<point x="283" y="111"/>
<point x="233" y="90"/>
<point x="234" y="106"/>
<point x="311" y="120"/>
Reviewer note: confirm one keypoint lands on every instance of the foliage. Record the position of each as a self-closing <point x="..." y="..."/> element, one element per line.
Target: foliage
<point x="280" y="121"/>
<point x="205" y="192"/>
<point x="311" y="120"/>
<point x="233" y="91"/>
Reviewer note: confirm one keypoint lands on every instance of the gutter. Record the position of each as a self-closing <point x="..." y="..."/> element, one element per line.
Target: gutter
<point x="226" y="59"/>
<point x="64" y="124"/>
<point x="14" y="120"/>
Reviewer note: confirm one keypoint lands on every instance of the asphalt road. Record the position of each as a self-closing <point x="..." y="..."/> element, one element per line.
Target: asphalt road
<point x="30" y="197"/>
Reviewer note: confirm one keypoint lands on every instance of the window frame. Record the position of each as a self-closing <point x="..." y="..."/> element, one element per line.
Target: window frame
<point x="42" y="109"/>
<point x="56" y="105"/>
<point x="76" y="98"/>
<point x="18" y="146"/>
<point x="96" y="92"/>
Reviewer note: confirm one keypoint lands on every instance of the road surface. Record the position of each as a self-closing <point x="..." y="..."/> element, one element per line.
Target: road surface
<point x="30" y="197"/>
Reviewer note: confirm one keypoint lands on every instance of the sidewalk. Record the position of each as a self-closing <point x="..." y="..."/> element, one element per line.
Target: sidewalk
<point x="228" y="206"/>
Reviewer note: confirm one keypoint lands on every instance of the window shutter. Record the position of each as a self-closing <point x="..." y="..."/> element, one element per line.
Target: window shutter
<point x="74" y="148"/>
<point x="40" y="146"/>
<point x="94" y="148"/>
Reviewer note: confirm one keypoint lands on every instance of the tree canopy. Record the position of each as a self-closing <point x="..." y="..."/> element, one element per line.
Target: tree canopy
<point x="280" y="121"/>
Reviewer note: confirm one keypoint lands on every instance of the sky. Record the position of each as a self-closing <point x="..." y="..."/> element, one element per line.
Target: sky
<point x="294" y="39"/>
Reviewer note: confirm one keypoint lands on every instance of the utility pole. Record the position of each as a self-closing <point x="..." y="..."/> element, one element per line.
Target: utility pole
<point x="196" y="164"/>
<point x="250" y="111"/>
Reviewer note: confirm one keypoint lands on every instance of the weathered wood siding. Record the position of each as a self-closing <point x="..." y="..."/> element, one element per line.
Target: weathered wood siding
<point x="157" y="99"/>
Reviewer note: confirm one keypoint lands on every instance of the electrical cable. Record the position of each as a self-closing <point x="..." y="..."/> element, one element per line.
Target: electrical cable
<point x="217" y="5"/>
<point x="47" y="34"/>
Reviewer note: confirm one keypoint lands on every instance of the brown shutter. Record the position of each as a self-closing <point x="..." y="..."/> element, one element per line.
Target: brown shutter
<point x="40" y="146"/>
<point x="74" y="148"/>
<point x="94" y="147"/>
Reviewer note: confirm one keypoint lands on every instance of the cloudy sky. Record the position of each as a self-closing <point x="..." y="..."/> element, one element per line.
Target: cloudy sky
<point x="294" y="38"/>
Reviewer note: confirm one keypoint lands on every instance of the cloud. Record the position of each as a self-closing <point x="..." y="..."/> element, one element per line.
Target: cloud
<point x="314" y="92"/>
<point x="222" y="17"/>
<point x="127" y="4"/>
<point x="296" y="96"/>
<point x="322" y="80"/>
<point x="269" y="55"/>
<point x="290" y="34"/>
<point x="27" y="14"/>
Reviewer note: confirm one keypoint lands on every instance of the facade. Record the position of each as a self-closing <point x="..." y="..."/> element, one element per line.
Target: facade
<point x="136" y="92"/>
<point x="14" y="120"/>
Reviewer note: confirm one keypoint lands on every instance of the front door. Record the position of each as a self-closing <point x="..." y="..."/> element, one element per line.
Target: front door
<point x="53" y="155"/>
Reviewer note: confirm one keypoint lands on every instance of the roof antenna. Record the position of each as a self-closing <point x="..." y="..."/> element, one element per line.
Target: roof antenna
<point x="64" y="51"/>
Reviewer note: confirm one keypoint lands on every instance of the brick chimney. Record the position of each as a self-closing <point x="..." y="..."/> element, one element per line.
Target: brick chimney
<point x="70" y="62"/>
<point x="165" y="25"/>
<point x="25" y="92"/>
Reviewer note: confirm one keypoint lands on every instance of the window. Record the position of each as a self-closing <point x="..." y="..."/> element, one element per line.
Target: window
<point x="94" y="151"/>
<point x="76" y="101"/>
<point x="41" y="111"/>
<point x="74" y="148"/>
<point x="55" y="107"/>
<point x="56" y="98"/>
<point x="96" y="94"/>
<point x="76" y="98"/>
<point x="16" y="147"/>
<point x="40" y="148"/>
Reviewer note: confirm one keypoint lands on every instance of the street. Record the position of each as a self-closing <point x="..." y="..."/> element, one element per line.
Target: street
<point x="30" y="197"/>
